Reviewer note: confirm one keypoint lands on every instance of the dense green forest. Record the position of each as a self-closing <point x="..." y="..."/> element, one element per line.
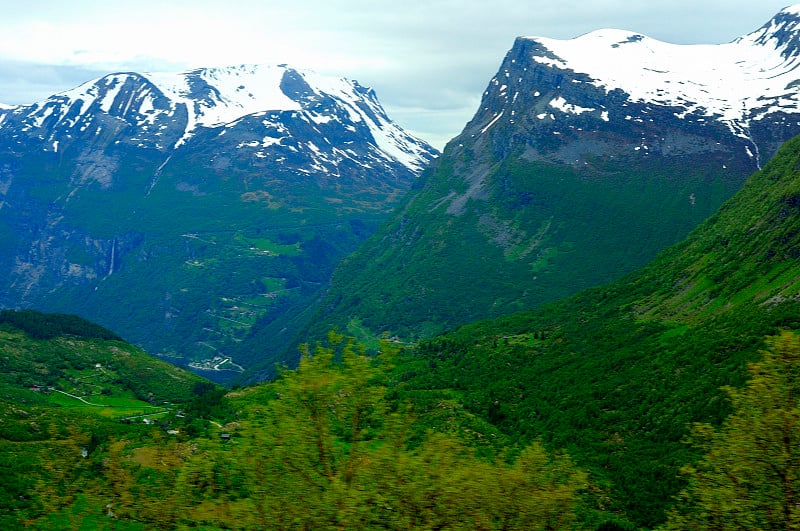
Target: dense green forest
<point x="47" y="326"/>
<point x="539" y="420"/>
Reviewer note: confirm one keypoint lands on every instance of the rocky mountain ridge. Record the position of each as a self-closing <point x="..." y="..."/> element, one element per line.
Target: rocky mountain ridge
<point x="611" y="81"/>
<point x="166" y="110"/>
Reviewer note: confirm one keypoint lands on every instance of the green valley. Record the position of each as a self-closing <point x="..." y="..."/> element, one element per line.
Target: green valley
<point x="576" y="415"/>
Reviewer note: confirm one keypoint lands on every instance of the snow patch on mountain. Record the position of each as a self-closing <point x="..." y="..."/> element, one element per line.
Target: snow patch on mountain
<point x="737" y="82"/>
<point x="221" y="98"/>
<point x="390" y="138"/>
<point x="218" y="96"/>
<point x="561" y="104"/>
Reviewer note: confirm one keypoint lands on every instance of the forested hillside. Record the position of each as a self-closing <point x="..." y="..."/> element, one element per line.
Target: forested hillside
<point x="628" y="406"/>
<point x="617" y="374"/>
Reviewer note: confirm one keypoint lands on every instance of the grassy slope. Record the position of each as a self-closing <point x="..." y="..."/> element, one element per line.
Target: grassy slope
<point x="65" y="384"/>
<point x="533" y="234"/>
<point x="64" y="361"/>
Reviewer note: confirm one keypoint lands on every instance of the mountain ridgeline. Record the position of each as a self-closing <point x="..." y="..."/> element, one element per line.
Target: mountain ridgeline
<point x="184" y="210"/>
<point x="585" y="159"/>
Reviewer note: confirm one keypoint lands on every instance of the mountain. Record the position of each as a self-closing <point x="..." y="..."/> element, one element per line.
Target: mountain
<point x="185" y="210"/>
<point x="614" y="375"/>
<point x="585" y="159"/>
<point x="575" y="414"/>
<point x="617" y="375"/>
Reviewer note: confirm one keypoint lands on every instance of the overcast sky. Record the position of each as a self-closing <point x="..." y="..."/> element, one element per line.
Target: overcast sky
<point x="428" y="60"/>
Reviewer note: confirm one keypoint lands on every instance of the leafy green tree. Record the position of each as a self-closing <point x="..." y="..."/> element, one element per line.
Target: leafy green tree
<point x="539" y="491"/>
<point x="749" y="477"/>
<point x="331" y="452"/>
<point x="120" y="481"/>
<point x="317" y="430"/>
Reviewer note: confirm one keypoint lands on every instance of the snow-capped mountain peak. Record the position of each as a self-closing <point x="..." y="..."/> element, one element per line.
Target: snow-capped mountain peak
<point x="737" y="84"/>
<point x="217" y="96"/>
<point x="166" y="110"/>
<point x="728" y="81"/>
<point x="782" y="32"/>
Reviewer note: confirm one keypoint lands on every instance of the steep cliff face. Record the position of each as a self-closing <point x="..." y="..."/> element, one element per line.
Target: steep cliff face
<point x="585" y="158"/>
<point x="185" y="210"/>
<point x="544" y="111"/>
